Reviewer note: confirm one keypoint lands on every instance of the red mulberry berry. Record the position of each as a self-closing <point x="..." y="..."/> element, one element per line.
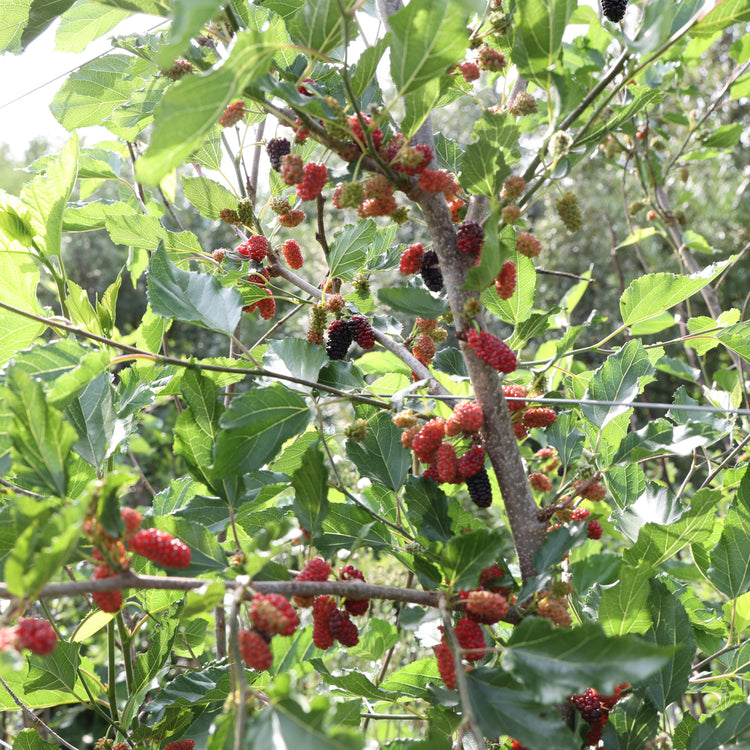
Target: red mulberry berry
<point x="362" y="332"/>
<point x="491" y="576"/>
<point x="180" y="745"/>
<point x="411" y="259"/>
<point x="513" y="188"/>
<point x="427" y="441"/>
<point x="579" y="514"/>
<point x="523" y="104"/>
<point x="467" y="416"/>
<point x="292" y="169"/>
<point x="486" y="606"/>
<point x="335" y="303"/>
<point x="107" y="601"/>
<point x="480" y="490"/>
<point x="471" y="462"/>
<point x="588" y="490"/>
<point x="160" y="547"/>
<point x="356" y="127"/>
<point x="179" y="69"/>
<point x="272" y="613"/>
<point x="505" y="284"/>
<point x="132" y="519"/>
<point x="470" y="237"/>
<point x="539" y="416"/>
<point x="36" y="635"/>
<point x="255" y="248"/>
<point x="431" y="472"/>
<point x="447" y="463"/>
<point x="491" y="350"/>
<point x="432" y="181"/>
<point x="412" y="160"/>
<point x="407" y="436"/>
<point x="232" y="114"/>
<point x="455" y="206"/>
<point x="594" y="529"/>
<point x="540" y="482"/>
<point x="491" y="59"/>
<point x="470" y="638"/>
<point x="292" y="219"/>
<point x="446" y="665"/>
<point x="255" y="651"/>
<point x="340" y="336"/>
<point x="515" y="395"/>
<point x="510" y="214"/>
<point x="277" y="149"/>
<point x="323" y="608"/>
<point x="343" y="629"/>
<point x="230" y="216"/>
<point x="424" y="349"/>
<point x="469" y="70"/>
<point x="354" y="606"/>
<point x="315" y="570"/>
<point x="292" y="254"/>
<point x="313" y="182"/>
<point x="528" y="245"/>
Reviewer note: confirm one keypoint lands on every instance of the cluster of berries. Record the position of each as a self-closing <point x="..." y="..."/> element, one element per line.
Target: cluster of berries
<point x="270" y="614"/>
<point x="594" y="709"/>
<point x="552" y="604"/>
<point x="569" y="515"/>
<point x="341" y="333"/>
<point x="444" y="464"/>
<point x="332" y="623"/>
<point x="287" y="216"/>
<point x="110" y="553"/>
<point x="30" y="633"/>
<point x="310" y="178"/>
<point x="491" y="350"/>
<point x="109" y="744"/>
<point x="415" y="259"/>
<point x="485" y="605"/>
<point x="523" y="416"/>
<point x="180" y="68"/>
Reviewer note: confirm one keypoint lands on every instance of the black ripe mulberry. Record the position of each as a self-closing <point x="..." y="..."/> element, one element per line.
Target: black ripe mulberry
<point x="614" y="10"/>
<point x="479" y="488"/>
<point x="340" y="336"/>
<point x="277" y="149"/>
<point x="430" y="271"/>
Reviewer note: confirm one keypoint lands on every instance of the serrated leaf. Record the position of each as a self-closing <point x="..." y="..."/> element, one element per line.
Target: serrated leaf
<point x="380" y="456"/>
<point x="464" y="557"/>
<point x="319" y="25"/>
<point x="412" y="300"/>
<point x="297" y="357"/>
<point x="84" y="22"/>
<point x="632" y="726"/>
<point x="719" y="729"/>
<point x="56" y="671"/>
<point x="310" y="484"/>
<point x="553" y="663"/>
<point x="191" y="297"/>
<point x="661" y="436"/>
<point x="650" y="295"/>
<point x="255" y="426"/>
<point x="620" y="378"/>
<point x="207" y="196"/>
<point x="347" y="527"/>
<point x="737" y="339"/>
<point x="364" y="71"/>
<point x="30" y="739"/>
<point x="719" y="17"/>
<point x="428" y="36"/>
<point x="503" y="706"/>
<point x="484" y="167"/>
<point x="93" y="415"/>
<point x="730" y="558"/>
<point x="623" y="606"/>
<point x="353" y="682"/>
<point x="349" y="249"/>
<point x="427" y="509"/>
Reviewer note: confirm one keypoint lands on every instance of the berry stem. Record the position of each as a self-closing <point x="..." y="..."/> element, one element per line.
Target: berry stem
<point x="126" y="640"/>
<point x="112" y="671"/>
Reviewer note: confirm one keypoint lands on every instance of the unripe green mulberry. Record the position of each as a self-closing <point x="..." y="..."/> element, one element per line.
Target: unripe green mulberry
<point x="569" y="211"/>
<point x="559" y="144"/>
<point x="245" y="212"/>
<point x="356" y="431"/>
<point x="636" y="207"/>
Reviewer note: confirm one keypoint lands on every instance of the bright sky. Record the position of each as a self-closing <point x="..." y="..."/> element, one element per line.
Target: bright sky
<point x="36" y="76"/>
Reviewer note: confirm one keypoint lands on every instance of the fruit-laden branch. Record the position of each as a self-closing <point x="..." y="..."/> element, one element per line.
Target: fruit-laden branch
<point x="353" y="589"/>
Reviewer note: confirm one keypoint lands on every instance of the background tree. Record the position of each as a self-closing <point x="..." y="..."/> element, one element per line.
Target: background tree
<point x="379" y="371"/>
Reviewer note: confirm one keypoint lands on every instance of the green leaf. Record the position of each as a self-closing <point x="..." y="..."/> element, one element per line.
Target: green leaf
<point x="41" y="14"/>
<point x="428" y="36"/>
<point x="93" y="415"/>
<point x="671" y="628"/>
<point x="353" y="682"/>
<point x="719" y="729"/>
<point x="191" y="107"/>
<point x="347" y="527"/>
<point x="362" y="74"/>
<point x="539" y="27"/>
<point x="412" y="300"/>
<point x="14" y="18"/>
<point x="657" y="543"/>
<point x="56" y="671"/>
<point x="207" y="196"/>
<point x="564" y="435"/>
<point x="620" y="378"/>
<point x="47" y="195"/>
<point x="310" y="484"/>
<point x="320" y="25"/>
<point x="464" y="557"/>
<point x="518" y="308"/>
<point x="730" y="558"/>
<point x="84" y="22"/>
<point x="553" y="663"/>
<point x="188" y="19"/>
<point x="427" y="509"/>
<point x="502" y="706"/>
<point x="661" y="436"/>
<point x="632" y="726"/>
<point x="349" y="249"/>
<point x="650" y="295"/>
<point x="623" y="606"/>
<point x="297" y="357"/>
<point x="29" y="739"/>
<point x="191" y="297"/>
<point x="380" y="456"/>
<point x="41" y="439"/>
<point x="721" y="15"/>
<point x="484" y="167"/>
<point x="255" y="426"/>
<point x="737" y="339"/>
